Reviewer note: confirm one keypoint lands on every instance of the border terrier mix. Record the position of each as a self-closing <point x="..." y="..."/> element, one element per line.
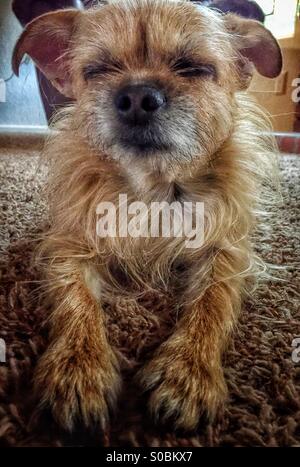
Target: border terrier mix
<point x="160" y="113"/>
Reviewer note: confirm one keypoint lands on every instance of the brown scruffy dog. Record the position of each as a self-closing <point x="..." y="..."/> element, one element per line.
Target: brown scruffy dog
<point x="160" y="114"/>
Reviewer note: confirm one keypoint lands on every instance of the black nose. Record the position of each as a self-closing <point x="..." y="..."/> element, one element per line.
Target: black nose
<point x="136" y="104"/>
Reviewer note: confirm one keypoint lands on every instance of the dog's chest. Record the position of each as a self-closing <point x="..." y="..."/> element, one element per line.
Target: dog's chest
<point x="155" y="240"/>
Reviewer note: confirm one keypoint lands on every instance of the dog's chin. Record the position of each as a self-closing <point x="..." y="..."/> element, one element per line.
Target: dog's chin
<point x="144" y="148"/>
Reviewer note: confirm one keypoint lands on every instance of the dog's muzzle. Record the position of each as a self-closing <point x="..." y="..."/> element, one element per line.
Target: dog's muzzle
<point x="139" y="110"/>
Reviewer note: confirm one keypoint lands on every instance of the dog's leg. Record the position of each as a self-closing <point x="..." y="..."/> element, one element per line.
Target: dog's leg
<point x="185" y="375"/>
<point x="78" y="375"/>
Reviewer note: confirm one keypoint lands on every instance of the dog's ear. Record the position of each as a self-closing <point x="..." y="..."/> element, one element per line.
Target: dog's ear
<point x="256" y="45"/>
<point x="47" y="41"/>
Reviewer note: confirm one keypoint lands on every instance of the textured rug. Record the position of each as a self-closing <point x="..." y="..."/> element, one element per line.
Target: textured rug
<point x="264" y="382"/>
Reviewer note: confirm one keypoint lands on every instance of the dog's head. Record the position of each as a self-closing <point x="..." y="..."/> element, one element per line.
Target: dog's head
<point x="151" y="78"/>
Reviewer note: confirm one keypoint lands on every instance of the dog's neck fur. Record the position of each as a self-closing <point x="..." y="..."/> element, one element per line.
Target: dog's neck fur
<point x="142" y="181"/>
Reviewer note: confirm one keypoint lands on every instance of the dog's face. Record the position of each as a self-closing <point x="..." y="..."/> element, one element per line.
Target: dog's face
<point x="153" y="79"/>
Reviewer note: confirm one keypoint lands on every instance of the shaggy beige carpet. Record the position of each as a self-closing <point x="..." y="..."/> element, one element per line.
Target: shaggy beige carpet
<point x="264" y="382"/>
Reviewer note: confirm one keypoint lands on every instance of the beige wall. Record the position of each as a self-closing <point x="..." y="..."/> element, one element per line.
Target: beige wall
<point x="275" y="94"/>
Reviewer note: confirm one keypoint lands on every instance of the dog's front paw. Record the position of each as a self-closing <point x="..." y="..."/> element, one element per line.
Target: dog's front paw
<point x="77" y="387"/>
<point x="182" y="389"/>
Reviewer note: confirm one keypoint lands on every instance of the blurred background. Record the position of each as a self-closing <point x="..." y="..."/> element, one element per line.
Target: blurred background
<point x="27" y="103"/>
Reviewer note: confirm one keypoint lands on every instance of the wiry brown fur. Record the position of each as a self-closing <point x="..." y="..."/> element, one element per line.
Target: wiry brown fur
<point x="227" y="161"/>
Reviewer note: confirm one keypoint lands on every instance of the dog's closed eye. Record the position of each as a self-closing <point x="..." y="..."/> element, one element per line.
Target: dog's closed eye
<point x="95" y="70"/>
<point x="189" y="68"/>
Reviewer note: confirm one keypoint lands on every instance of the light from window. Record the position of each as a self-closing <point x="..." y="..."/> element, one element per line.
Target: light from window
<point x="281" y="16"/>
<point x="267" y="6"/>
